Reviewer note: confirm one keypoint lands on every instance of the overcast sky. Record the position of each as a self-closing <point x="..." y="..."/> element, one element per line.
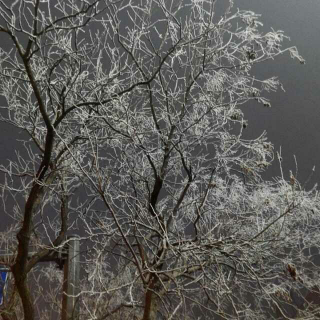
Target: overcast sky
<point x="293" y="120"/>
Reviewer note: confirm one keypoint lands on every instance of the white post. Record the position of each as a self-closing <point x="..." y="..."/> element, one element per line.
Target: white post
<point x="71" y="269"/>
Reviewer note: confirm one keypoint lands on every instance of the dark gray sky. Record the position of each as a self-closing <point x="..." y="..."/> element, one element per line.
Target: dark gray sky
<point x="293" y="120"/>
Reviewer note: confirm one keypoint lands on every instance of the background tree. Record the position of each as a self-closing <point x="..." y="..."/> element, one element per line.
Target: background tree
<point x="131" y="119"/>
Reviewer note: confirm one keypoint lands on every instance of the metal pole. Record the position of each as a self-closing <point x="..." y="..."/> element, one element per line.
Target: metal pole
<point x="71" y="269"/>
<point x="69" y="257"/>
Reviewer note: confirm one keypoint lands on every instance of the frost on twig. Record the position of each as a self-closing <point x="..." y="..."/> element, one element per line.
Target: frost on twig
<point x="131" y="117"/>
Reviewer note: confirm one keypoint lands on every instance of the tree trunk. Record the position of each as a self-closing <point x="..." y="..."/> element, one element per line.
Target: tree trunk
<point x="24" y="292"/>
<point x="151" y="301"/>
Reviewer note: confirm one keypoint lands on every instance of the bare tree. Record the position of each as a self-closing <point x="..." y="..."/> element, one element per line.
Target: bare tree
<point x="131" y="119"/>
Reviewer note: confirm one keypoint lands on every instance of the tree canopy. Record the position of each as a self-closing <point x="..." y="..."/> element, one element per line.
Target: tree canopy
<point x="131" y="116"/>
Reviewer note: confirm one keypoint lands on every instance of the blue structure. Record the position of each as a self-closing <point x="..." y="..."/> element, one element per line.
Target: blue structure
<point x="3" y="281"/>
